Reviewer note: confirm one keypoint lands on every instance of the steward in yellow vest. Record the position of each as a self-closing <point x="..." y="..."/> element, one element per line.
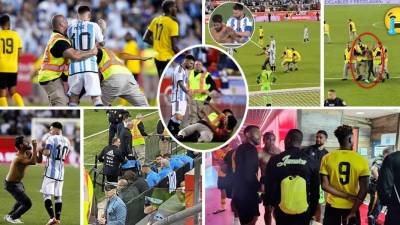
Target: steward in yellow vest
<point x="200" y="84"/>
<point x="56" y="58"/>
<point x="117" y="78"/>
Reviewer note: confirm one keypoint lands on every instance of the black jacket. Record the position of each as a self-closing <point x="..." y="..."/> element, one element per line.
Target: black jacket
<point x="126" y="144"/>
<point x="112" y="158"/>
<point x="278" y="168"/>
<point x="314" y="152"/>
<point x="389" y="177"/>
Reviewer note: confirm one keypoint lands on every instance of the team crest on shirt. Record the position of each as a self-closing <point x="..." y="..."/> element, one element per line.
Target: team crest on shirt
<point x="288" y="161"/>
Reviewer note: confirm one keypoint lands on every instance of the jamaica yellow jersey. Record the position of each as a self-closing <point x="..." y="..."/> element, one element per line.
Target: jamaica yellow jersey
<point x="163" y="28"/>
<point x="344" y="168"/>
<point x="261" y="32"/>
<point x="10" y="42"/>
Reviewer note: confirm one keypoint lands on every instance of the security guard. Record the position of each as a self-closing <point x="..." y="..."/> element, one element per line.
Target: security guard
<point x="117" y="79"/>
<point x="58" y="52"/>
<point x="138" y="134"/>
<point x="201" y="85"/>
<point x="347" y="63"/>
<point x="112" y="158"/>
<point x="115" y="118"/>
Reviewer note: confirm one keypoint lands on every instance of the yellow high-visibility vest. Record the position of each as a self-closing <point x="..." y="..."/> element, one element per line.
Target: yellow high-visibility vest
<point x="198" y="84"/>
<point x="110" y="64"/>
<point x="137" y="138"/>
<point x="52" y="68"/>
<point x="213" y="118"/>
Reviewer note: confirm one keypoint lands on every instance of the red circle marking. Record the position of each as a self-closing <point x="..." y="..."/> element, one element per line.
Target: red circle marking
<point x="382" y="60"/>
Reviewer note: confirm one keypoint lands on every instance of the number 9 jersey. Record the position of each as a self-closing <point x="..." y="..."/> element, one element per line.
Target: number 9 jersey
<point x="59" y="147"/>
<point x="344" y="168"/>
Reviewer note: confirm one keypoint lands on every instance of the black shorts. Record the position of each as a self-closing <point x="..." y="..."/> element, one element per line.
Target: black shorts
<point x="247" y="207"/>
<point x="335" y="216"/>
<point x="160" y="66"/>
<point x="8" y="80"/>
<point x="261" y="37"/>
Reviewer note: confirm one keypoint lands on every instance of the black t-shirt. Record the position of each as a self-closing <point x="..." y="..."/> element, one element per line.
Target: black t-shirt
<point x="334" y="102"/>
<point x="59" y="47"/>
<point x="292" y="162"/>
<point x="389" y="179"/>
<point x="246" y="160"/>
<point x="99" y="55"/>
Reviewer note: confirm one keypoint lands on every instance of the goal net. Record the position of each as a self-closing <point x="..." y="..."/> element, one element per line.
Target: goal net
<point x="286" y="97"/>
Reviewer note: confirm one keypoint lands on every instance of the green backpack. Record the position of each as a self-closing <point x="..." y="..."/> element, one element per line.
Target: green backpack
<point x="293" y="195"/>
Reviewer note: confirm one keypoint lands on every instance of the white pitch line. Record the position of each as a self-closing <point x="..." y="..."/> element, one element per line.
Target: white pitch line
<point x="252" y="85"/>
<point x="382" y="25"/>
<point x="256" y="44"/>
<point x="103" y="131"/>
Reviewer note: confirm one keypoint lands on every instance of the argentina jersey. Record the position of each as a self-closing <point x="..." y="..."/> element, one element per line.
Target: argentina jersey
<point x="241" y="25"/>
<point x="177" y="93"/>
<point x="59" y="147"/>
<point x="83" y="36"/>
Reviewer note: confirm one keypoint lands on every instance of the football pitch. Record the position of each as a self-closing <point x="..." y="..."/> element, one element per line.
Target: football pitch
<point x="367" y="18"/>
<point x="97" y="121"/>
<point x="32" y="182"/>
<point x="287" y="34"/>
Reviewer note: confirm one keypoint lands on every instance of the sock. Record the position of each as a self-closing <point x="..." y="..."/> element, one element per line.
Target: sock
<point x="18" y="99"/>
<point x="72" y="104"/>
<point x="98" y="102"/>
<point x="58" y="207"/>
<point x="48" y="204"/>
<point x="3" y="101"/>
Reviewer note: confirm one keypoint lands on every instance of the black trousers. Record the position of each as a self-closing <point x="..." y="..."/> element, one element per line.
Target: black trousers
<point x="112" y="131"/>
<point x="393" y="215"/>
<point x="23" y="202"/>
<point x="160" y="66"/>
<point x="282" y="218"/>
<point x="334" y="216"/>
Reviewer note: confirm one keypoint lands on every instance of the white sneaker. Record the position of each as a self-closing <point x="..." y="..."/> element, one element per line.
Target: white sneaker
<point x="10" y="220"/>
<point x="51" y="221"/>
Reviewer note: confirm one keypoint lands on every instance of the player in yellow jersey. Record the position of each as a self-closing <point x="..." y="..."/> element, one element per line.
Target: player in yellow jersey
<point x="344" y="176"/>
<point x="10" y="51"/>
<point x="296" y="59"/>
<point x="326" y="31"/>
<point x="287" y="59"/>
<point x="260" y="36"/>
<point x="352" y="30"/>
<point x="163" y="34"/>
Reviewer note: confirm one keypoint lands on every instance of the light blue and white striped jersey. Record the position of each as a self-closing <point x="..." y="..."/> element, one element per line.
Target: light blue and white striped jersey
<point x="59" y="147"/>
<point x="241" y="25"/>
<point x="177" y="94"/>
<point x="83" y="36"/>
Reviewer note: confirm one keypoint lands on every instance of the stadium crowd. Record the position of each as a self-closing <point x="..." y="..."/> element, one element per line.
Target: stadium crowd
<point x="272" y="5"/>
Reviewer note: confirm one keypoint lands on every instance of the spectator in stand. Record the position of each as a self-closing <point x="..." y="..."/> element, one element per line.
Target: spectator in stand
<point x="151" y="177"/>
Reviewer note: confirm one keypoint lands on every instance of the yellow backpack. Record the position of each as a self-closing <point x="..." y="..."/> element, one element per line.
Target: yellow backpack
<point x="293" y="195"/>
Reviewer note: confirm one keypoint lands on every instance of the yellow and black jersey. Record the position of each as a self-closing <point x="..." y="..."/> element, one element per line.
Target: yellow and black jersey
<point x="344" y="168"/>
<point x="261" y="33"/>
<point x="10" y="43"/>
<point x="163" y="29"/>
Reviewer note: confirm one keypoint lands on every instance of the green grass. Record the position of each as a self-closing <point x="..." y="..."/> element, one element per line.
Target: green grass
<point x="98" y="121"/>
<point x="203" y="146"/>
<point x="288" y="34"/>
<point x="367" y="18"/>
<point x="32" y="182"/>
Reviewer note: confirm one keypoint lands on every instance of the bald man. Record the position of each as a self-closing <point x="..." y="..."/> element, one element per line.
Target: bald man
<point x="55" y="64"/>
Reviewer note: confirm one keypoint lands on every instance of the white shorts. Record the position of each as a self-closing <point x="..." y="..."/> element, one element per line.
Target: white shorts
<point x="179" y="107"/>
<point x="52" y="187"/>
<point x="89" y="80"/>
